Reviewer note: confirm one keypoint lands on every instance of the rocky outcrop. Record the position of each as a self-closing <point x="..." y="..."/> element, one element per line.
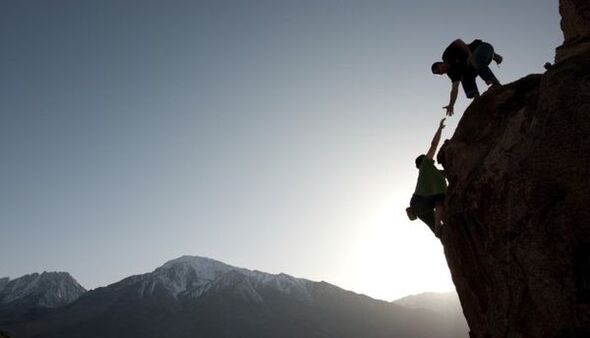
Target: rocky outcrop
<point x="575" y="24"/>
<point x="517" y="238"/>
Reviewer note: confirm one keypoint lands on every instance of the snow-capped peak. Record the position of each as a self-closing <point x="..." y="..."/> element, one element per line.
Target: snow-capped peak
<point x="48" y="289"/>
<point x="193" y="276"/>
<point x="184" y="274"/>
<point x="205" y="268"/>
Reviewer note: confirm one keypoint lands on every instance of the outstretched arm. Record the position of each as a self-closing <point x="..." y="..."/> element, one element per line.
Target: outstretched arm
<point x="435" y="140"/>
<point x="453" y="97"/>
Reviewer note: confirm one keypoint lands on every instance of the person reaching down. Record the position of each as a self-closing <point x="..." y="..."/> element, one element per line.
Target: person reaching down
<point x="463" y="63"/>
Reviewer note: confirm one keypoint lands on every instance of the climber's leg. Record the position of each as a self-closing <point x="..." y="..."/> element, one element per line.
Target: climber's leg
<point x="480" y="60"/>
<point x="423" y="207"/>
<point x="439" y="211"/>
<point x="427" y="216"/>
<point x="469" y="85"/>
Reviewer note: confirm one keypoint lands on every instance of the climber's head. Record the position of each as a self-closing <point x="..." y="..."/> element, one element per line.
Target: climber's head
<point x="419" y="160"/>
<point x="440" y="68"/>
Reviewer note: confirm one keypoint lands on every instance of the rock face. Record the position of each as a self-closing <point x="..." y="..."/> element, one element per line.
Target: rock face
<point x="575" y="24"/>
<point x="517" y="238"/>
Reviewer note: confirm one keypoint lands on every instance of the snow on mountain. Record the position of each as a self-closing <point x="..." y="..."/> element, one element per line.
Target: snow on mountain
<point x="284" y="283"/>
<point x="193" y="276"/>
<point x="200" y="297"/>
<point x="239" y="284"/>
<point x="207" y="268"/>
<point x="183" y="274"/>
<point x="48" y="289"/>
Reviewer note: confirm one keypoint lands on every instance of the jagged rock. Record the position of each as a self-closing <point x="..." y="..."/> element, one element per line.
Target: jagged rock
<point x="517" y="238"/>
<point x="575" y="24"/>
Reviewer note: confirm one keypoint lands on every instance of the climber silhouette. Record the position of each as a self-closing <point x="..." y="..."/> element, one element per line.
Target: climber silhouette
<point x="427" y="202"/>
<point x="463" y="63"/>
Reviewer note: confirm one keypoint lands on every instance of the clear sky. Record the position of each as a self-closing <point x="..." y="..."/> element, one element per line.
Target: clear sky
<point x="273" y="135"/>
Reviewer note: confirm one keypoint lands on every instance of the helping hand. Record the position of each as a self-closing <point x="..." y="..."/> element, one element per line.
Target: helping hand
<point x="449" y="110"/>
<point x="442" y="124"/>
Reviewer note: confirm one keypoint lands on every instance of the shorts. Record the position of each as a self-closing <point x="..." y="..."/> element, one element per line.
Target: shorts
<point x="423" y="208"/>
<point x="425" y="202"/>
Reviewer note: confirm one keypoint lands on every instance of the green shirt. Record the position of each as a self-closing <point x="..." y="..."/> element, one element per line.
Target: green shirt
<point x="431" y="181"/>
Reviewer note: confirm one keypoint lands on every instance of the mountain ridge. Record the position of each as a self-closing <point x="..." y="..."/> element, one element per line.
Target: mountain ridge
<point x="194" y="296"/>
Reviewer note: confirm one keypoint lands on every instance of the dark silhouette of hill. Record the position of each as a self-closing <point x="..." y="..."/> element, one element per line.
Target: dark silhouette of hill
<point x="445" y="304"/>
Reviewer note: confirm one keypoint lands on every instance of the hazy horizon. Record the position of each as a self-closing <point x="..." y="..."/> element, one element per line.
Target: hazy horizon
<point x="272" y="135"/>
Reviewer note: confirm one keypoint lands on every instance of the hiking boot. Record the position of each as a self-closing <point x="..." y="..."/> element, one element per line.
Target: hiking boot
<point x="493" y="83"/>
<point x="498" y="58"/>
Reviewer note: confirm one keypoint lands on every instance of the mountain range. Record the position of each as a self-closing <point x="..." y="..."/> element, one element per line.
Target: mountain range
<point x="201" y="297"/>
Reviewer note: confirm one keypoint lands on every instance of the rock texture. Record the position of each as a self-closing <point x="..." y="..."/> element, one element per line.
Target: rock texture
<point x="575" y="24"/>
<point x="517" y="238"/>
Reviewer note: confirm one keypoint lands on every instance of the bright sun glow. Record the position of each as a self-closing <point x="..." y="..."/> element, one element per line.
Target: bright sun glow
<point x="392" y="256"/>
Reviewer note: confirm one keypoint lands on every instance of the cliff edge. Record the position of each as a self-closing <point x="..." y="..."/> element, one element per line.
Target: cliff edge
<point x="517" y="234"/>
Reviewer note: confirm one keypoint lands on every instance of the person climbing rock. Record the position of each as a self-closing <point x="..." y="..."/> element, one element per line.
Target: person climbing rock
<point x="427" y="202"/>
<point x="463" y="63"/>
